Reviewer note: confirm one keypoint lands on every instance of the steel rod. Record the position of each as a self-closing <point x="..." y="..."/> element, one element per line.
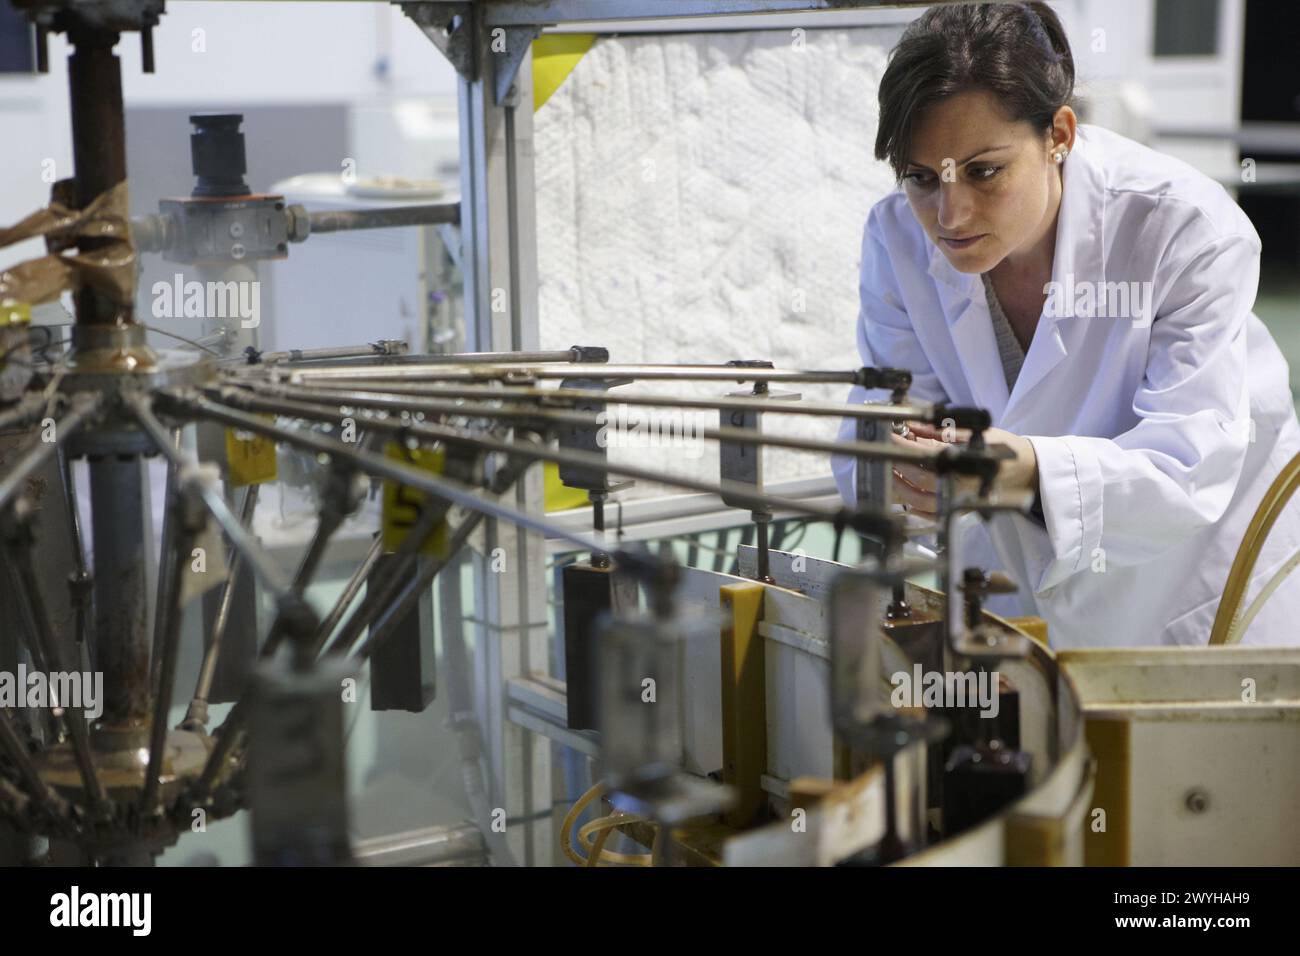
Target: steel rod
<point x="377" y="351"/>
<point x="744" y="436"/>
<point x="266" y="569"/>
<point x="386" y="623"/>
<point x="743" y="495"/>
<point x="166" y="557"/>
<point x="377" y="466"/>
<point x="577" y="355"/>
<point x="351" y="589"/>
<point x="434" y="371"/>
<point x="909" y="411"/>
<point x="185" y="537"/>
<point x="98" y="148"/>
<point x="37" y="454"/>
<point x="329" y="520"/>
<point x="207" y="672"/>
<point x="380" y="607"/>
<point x="340" y="220"/>
<point x="32" y="605"/>
<point x="407" y="554"/>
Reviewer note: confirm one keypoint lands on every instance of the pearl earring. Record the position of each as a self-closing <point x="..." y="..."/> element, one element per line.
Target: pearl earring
<point x="1060" y="156"/>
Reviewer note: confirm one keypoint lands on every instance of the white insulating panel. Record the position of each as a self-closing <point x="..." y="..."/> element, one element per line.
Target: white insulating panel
<point x="701" y="198"/>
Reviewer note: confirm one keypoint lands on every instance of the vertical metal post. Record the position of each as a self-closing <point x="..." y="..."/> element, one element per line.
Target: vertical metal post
<point x="98" y="145"/>
<point x="119" y="503"/>
<point x="499" y="259"/>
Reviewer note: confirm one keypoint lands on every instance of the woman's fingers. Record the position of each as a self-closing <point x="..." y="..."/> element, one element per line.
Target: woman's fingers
<point x="914" y="444"/>
<point x="912" y="498"/>
<point x="915" y="477"/>
<point x="943" y="435"/>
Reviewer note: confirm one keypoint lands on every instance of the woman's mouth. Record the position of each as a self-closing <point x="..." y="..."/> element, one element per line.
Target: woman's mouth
<point x="962" y="242"/>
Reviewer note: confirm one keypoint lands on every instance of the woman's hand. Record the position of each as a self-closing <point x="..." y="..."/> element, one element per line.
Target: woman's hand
<point x="915" y="485"/>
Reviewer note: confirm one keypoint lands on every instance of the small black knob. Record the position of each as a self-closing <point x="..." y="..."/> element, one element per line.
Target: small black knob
<point x="217" y="154"/>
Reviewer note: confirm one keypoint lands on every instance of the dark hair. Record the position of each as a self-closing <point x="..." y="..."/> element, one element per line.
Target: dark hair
<point x="1016" y="51"/>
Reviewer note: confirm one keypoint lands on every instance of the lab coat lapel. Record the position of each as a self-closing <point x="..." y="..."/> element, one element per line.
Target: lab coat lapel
<point x="1079" y="257"/>
<point x="970" y="325"/>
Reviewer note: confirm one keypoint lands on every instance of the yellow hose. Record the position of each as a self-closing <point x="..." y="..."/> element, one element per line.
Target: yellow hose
<point x="604" y="827"/>
<point x="1270" y="508"/>
<point x="570" y="818"/>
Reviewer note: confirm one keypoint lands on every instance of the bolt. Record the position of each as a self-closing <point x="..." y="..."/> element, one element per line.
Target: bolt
<point x="1197" y="800"/>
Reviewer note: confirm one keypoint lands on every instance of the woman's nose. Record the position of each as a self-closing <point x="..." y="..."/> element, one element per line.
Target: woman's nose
<point x="954" y="206"/>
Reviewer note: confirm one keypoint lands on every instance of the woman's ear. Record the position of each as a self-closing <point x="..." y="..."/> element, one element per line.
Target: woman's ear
<point x="1064" y="125"/>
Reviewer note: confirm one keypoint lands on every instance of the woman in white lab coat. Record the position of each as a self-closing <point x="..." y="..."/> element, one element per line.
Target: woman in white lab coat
<point x="1095" y="297"/>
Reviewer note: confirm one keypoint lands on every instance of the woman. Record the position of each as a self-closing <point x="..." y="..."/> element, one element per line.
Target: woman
<point x="1095" y="296"/>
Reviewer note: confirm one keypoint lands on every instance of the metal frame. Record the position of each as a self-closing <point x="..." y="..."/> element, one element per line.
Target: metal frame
<point x="488" y="42"/>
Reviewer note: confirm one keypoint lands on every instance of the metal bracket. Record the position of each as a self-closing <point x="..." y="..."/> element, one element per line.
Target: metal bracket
<point x="514" y="43"/>
<point x="451" y="28"/>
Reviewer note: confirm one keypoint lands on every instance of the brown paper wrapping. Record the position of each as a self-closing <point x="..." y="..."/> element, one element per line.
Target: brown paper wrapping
<point x="109" y="269"/>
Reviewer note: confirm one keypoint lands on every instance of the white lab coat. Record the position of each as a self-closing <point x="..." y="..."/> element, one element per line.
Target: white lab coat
<point x="1149" y="472"/>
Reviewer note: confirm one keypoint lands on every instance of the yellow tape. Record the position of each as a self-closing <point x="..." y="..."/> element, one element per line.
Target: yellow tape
<point x="250" y="458"/>
<point x="554" y="57"/>
<point x="13" y="312"/>
<point x="403" y="504"/>
<point x="744" y="701"/>
<point x="556" y="495"/>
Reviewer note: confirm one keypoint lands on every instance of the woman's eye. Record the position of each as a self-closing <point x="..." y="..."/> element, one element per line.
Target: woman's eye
<point x="918" y="178"/>
<point x="984" y="173"/>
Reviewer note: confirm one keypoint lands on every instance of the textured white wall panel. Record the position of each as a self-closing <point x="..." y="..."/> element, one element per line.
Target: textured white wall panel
<point x="701" y="197"/>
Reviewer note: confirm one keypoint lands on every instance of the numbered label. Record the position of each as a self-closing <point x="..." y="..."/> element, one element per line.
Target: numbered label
<point x="249" y="457"/>
<point x="403" y="504"/>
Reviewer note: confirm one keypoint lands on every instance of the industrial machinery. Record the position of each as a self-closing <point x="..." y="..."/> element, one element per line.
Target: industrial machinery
<point x="750" y="718"/>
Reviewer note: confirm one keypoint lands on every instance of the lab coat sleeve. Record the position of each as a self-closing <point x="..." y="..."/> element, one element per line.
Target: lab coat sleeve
<point x="886" y="339"/>
<point x="1115" y="502"/>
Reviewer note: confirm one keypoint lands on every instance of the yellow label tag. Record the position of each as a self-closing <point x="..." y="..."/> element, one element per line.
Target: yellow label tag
<point x="250" y="458"/>
<point x="403" y="505"/>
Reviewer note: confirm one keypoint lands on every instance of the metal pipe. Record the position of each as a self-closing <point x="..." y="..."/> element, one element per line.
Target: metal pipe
<point x="187" y="533"/>
<point x="166" y="557"/>
<point x="339" y="220"/>
<point x="744" y="436"/>
<point x="742" y="494"/>
<point x="435" y="371"/>
<point x="542" y="13"/>
<point x="197" y="714"/>
<point x="385" y="350"/>
<point x="460" y="844"/>
<point x="270" y="361"/>
<point x="121" y="592"/>
<point x="98" y="147"/>
<point x="330" y="518"/>
<point x="351" y="589"/>
<point x="908" y="411"/>
<point x="32" y="606"/>
<point x="328" y="522"/>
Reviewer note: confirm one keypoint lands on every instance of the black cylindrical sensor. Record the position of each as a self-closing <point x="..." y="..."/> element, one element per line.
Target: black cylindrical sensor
<point x="217" y="153"/>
